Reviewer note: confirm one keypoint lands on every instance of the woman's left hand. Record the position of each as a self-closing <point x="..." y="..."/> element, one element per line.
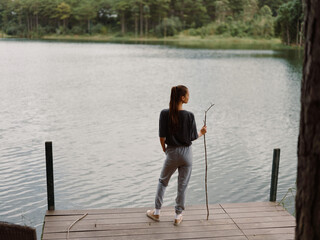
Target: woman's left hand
<point x="203" y="130"/>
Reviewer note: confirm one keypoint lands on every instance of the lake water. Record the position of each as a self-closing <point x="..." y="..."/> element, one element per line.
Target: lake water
<point x="99" y="104"/>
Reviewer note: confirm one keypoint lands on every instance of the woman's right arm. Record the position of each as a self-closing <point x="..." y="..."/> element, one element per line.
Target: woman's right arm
<point x="162" y="142"/>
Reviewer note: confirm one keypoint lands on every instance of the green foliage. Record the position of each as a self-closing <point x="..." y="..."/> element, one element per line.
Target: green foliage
<point x="236" y="7"/>
<point x="237" y="18"/>
<point x="263" y="24"/>
<point x="272" y="4"/>
<point x="168" y="27"/>
<point x="77" y="30"/>
<point x="62" y="30"/>
<point x="289" y="21"/>
<point x="63" y="11"/>
<point x="222" y="28"/>
<point x="14" y="29"/>
<point x="99" y="29"/>
<point x="265" y="11"/>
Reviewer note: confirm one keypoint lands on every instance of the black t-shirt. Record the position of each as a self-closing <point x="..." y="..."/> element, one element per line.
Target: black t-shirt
<point x="186" y="132"/>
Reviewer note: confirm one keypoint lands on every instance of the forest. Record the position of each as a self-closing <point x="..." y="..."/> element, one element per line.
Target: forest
<point x="154" y="18"/>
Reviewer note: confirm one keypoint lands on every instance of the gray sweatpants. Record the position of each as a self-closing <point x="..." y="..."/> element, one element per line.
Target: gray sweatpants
<point x="177" y="158"/>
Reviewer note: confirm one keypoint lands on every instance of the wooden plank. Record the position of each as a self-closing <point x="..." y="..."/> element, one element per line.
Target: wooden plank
<point x="130" y="232"/>
<point x="221" y="238"/>
<point x="254" y="209"/>
<point x="261" y="231"/>
<point x="141" y="219"/>
<point x="248" y="204"/>
<point x="286" y="236"/>
<point x="146" y="222"/>
<point x="216" y="224"/>
<point x="264" y="219"/>
<point x="128" y="210"/>
<point x="259" y="214"/>
<point x="205" y="238"/>
<point x="132" y="215"/>
<point x="173" y="235"/>
<point x="267" y="225"/>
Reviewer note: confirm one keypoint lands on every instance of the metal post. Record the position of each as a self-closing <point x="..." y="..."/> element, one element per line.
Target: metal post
<point x="50" y="182"/>
<point x="274" y="175"/>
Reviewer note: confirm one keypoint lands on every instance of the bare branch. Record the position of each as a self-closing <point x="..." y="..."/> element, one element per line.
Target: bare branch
<point x="206" y="159"/>
<point x="212" y="104"/>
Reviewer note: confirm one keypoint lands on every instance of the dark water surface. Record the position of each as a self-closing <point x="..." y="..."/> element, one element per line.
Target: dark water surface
<point x="99" y="103"/>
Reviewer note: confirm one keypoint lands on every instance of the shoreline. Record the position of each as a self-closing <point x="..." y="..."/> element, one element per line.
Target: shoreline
<point x="211" y="42"/>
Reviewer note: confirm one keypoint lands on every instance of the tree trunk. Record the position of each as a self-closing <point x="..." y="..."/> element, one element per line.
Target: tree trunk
<point x="182" y="14"/>
<point x="28" y="26"/>
<point x="300" y="41"/>
<point x="297" y="36"/>
<point x="141" y="20"/>
<point x="165" y="27"/>
<point x="308" y="177"/>
<point x="123" y="28"/>
<point x="288" y="36"/>
<point x="136" y="26"/>
<point x="37" y="24"/>
<point x="146" y="27"/>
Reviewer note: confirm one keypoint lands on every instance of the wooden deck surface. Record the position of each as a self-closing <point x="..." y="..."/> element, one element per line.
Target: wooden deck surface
<point x="230" y="221"/>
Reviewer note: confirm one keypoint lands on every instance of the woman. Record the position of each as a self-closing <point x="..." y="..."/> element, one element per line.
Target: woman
<point x="177" y="130"/>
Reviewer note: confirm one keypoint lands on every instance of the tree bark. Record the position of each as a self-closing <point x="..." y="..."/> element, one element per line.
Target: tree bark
<point x="141" y="19"/>
<point x="136" y="26"/>
<point x="300" y="40"/>
<point x="123" y="28"/>
<point x="288" y="36"/>
<point x="146" y="27"/>
<point x="37" y="23"/>
<point x="182" y="14"/>
<point x="165" y="27"/>
<point x="308" y="177"/>
<point x="297" y="35"/>
<point x="28" y="26"/>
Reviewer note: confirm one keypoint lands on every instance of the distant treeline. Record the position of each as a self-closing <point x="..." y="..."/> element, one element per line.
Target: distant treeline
<point x="159" y="18"/>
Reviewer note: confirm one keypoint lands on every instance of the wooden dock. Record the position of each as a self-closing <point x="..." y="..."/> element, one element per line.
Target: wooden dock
<point x="230" y="221"/>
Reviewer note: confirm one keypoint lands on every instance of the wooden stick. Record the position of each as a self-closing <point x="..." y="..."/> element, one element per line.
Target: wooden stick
<point x="74" y="224"/>
<point x="206" y="160"/>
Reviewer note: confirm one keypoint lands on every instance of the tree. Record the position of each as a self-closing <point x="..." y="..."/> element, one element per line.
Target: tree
<point x="250" y="9"/>
<point x="308" y="177"/>
<point x="266" y="22"/>
<point x="194" y="13"/>
<point x="135" y="12"/>
<point x="4" y="14"/>
<point x="272" y="4"/>
<point x="121" y="7"/>
<point x="284" y="19"/>
<point x="222" y="9"/>
<point x="236" y="7"/>
<point x="64" y="11"/>
<point x="146" y="11"/>
<point x="162" y="7"/>
<point x="141" y="17"/>
<point x="86" y="11"/>
<point x="289" y="20"/>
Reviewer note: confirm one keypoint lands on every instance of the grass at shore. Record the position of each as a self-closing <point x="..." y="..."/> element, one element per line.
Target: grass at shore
<point x="3" y="35"/>
<point x="209" y="42"/>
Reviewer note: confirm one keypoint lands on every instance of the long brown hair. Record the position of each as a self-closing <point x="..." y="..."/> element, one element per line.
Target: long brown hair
<point x="176" y="93"/>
